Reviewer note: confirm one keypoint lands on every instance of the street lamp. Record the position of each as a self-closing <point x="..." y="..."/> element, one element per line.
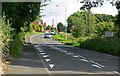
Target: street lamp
<point x="65" y="18"/>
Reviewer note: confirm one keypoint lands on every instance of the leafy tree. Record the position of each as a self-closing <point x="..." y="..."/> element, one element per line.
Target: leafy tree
<point x="117" y="18"/>
<point x="82" y="15"/>
<point x="102" y="27"/>
<point x="78" y="28"/>
<point x="21" y="14"/>
<point x="48" y="27"/>
<point x="60" y="27"/>
<point x="104" y="18"/>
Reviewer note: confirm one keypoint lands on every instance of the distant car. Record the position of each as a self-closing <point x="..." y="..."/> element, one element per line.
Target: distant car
<point x="52" y="33"/>
<point x="47" y="35"/>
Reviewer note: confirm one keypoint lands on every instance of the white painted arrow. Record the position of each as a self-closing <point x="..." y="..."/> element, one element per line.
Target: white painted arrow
<point x="47" y="60"/>
<point x="51" y="65"/>
<point x="45" y="56"/>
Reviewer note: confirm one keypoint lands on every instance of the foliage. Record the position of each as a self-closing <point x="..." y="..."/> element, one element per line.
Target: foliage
<point x="103" y="18"/>
<point x="21" y="14"/>
<point x="102" y="27"/>
<point x="48" y="27"/>
<point x="60" y="27"/>
<point x="77" y="24"/>
<point x="109" y="46"/>
<point x="117" y="24"/>
<point x="6" y="35"/>
<point x="15" y="46"/>
<point x="70" y="39"/>
<point x="37" y="28"/>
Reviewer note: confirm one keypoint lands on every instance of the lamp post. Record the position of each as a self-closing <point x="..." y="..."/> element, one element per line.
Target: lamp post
<point x="65" y="18"/>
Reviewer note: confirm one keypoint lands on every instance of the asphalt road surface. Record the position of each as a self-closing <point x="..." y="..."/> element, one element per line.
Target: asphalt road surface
<point x="64" y="59"/>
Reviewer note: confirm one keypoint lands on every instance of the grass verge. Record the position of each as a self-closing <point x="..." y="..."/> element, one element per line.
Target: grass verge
<point x="103" y="45"/>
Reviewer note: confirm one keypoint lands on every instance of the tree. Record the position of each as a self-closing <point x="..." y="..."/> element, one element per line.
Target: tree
<point x="102" y="27"/>
<point x="48" y="27"/>
<point x="21" y="14"/>
<point x="77" y="24"/>
<point x="60" y="27"/>
<point x="117" y="18"/>
<point x="104" y="18"/>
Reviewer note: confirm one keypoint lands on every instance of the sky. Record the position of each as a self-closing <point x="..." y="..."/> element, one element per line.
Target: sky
<point x="55" y="14"/>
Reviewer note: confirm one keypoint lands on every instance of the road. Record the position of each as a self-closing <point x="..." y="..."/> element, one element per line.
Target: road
<point x="64" y="59"/>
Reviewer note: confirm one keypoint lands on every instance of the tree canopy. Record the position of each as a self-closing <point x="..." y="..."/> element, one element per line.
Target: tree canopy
<point x="99" y="23"/>
<point x="60" y="27"/>
<point x="20" y="14"/>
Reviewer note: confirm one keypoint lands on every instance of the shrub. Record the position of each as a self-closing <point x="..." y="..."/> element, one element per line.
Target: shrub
<point x="103" y="45"/>
<point x="102" y="27"/>
<point x="16" y="44"/>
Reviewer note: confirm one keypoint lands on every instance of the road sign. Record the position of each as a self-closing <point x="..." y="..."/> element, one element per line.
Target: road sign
<point x="109" y="34"/>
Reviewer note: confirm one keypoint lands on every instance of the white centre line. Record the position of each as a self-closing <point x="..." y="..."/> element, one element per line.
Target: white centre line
<point x="96" y="66"/>
<point x="84" y="60"/>
<point x="81" y="56"/>
<point x="45" y="41"/>
<point x="96" y="63"/>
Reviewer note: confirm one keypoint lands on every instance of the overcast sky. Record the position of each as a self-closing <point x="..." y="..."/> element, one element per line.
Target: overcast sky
<point x="58" y="13"/>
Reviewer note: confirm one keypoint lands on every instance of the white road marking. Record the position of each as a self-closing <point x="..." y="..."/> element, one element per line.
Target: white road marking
<point x="42" y="53"/>
<point x="68" y="53"/>
<point x="65" y="51"/>
<point x="81" y="56"/>
<point x="75" y="56"/>
<point x="37" y="46"/>
<point x="47" y="60"/>
<point x="116" y="72"/>
<point x="72" y="53"/>
<point x="96" y="63"/>
<point x="84" y="60"/>
<point x="44" y="56"/>
<point x="51" y="65"/>
<point x="97" y="66"/>
<point x="45" y="41"/>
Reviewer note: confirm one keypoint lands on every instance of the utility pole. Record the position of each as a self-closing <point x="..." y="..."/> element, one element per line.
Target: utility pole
<point x="89" y="23"/>
<point x="87" y="6"/>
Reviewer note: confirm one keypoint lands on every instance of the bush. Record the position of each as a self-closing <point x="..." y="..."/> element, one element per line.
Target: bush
<point x="103" y="45"/>
<point x="102" y="27"/>
<point x="16" y="44"/>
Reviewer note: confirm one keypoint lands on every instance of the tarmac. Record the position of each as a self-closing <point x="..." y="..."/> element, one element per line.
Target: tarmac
<point x="28" y="63"/>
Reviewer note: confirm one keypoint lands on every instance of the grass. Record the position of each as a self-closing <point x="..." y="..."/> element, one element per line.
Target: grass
<point x="69" y="41"/>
